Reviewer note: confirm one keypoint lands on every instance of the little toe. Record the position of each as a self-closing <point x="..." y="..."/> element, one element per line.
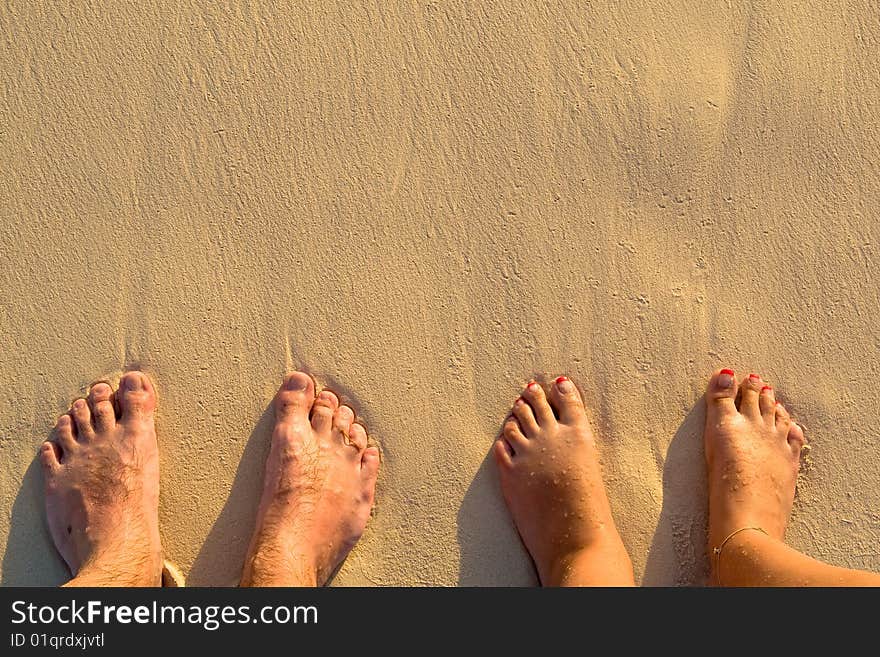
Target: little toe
<point x="514" y="436"/>
<point x="796" y="439"/>
<point x="566" y="399"/>
<point x="503" y="453"/>
<point x="783" y="419"/>
<point x="767" y="403"/>
<point x="50" y="457"/>
<point x="369" y="473"/>
<point x="82" y="420"/>
<point x="720" y="397"/>
<point x="749" y="391"/>
<point x="294" y="398"/>
<point x="526" y="418"/>
<point x="534" y="395"/>
<point x="136" y="397"/>
<point x="101" y="403"/>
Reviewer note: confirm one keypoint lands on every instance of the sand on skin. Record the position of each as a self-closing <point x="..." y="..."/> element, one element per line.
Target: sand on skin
<point x="426" y="204"/>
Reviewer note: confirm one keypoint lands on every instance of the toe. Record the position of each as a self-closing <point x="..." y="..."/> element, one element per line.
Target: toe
<point x="82" y="420"/>
<point x="342" y="419"/>
<point x="783" y="420"/>
<point x="136" y="397"/>
<point x="101" y="403"/>
<point x="503" y="453"/>
<point x="63" y="435"/>
<point x="514" y="436"/>
<point x="720" y="396"/>
<point x="50" y="457"/>
<point x="767" y="403"/>
<point x="526" y="418"/>
<point x="322" y="411"/>
<point x="796" y="439"/>
<point x="749" y="391"/>
<point x="370" y="472"/>
<point x="534" y="395"/>
<point x="357" y="434"/>
<point x="327" y="398"/>
<point x="295" y="396"/>
<point x="566" y="399"/>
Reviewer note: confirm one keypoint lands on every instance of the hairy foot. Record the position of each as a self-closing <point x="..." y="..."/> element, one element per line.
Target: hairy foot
<point x="102" y="486"/>
<point x="553" y="486"/>
<point x="318" y="492"/>
<point x="753" y="454"/>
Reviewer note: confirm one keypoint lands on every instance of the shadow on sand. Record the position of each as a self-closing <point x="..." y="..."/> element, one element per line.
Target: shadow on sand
<point x="491" y="553"/>
<point x="220" y="559"/>
<point x="677" y="556"/>
<point x="30" y="558"/>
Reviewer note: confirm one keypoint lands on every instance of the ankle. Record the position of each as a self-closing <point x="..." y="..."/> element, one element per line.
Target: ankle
<point x="738" y="557"/>
<point x="273" y="566"/>
<point x="144" y="570"/>
<point x="603" y="562"/>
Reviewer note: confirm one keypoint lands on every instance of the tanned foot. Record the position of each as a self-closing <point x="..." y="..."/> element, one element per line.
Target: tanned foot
<point x="753" y="455"/>
<point x="552" y="483"/>
<point x="102" y="486"/>
<point x="319" y="485"/>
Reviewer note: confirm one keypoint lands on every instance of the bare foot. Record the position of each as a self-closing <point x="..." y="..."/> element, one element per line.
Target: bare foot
<point x="102" y="486"/>
<point x="753" y="454"/>
<point x="319" y="485"/>
<point x="553" y="486"/>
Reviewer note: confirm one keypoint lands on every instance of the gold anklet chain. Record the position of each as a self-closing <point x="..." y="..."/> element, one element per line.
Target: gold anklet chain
<point x="716" y="552"/>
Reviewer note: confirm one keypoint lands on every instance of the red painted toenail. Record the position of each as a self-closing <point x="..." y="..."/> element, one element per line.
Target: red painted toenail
<point x="756" y="377"/>
<point x="728" y="372"/>
<point x="766" y="388"/>
<point x="779" y="403"/>
<point x="531" y="384"/>
<point x="561" y="379"/>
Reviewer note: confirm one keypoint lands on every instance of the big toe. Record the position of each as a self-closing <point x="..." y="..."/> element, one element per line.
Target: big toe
<point x="567" y="401"/>
<point x="295" y="396"/>
<point x="136" y="396"/>
<point x="720" y="397"/>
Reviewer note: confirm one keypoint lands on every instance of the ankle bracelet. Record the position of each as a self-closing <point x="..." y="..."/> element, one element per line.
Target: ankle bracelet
<point x="716" y="552"/>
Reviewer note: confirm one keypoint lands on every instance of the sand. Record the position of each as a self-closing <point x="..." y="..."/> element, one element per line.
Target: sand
<point x="425" y="204"/>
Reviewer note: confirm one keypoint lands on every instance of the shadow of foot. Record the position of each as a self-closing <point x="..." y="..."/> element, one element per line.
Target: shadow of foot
<point x="220" y="560"/>
<point x="30" y="558"/>
<point x="677" y="556"/>
<point x="491" y="553"/>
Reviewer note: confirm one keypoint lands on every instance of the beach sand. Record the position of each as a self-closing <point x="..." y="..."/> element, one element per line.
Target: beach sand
<point x="425" y="204"/>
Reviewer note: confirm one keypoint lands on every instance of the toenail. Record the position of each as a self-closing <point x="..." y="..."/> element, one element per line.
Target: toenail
<point x="766" y="388"/>
<point x="132" y="382"/>
<point x="519" y="400"/>
<point x="532" y="385"/>
<point x="564" y="385"/>
<point x="296" y="382"/>
<point x="755" y="377"/>
<point x="79" y="404"/>
<point x="725" y="378"/>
